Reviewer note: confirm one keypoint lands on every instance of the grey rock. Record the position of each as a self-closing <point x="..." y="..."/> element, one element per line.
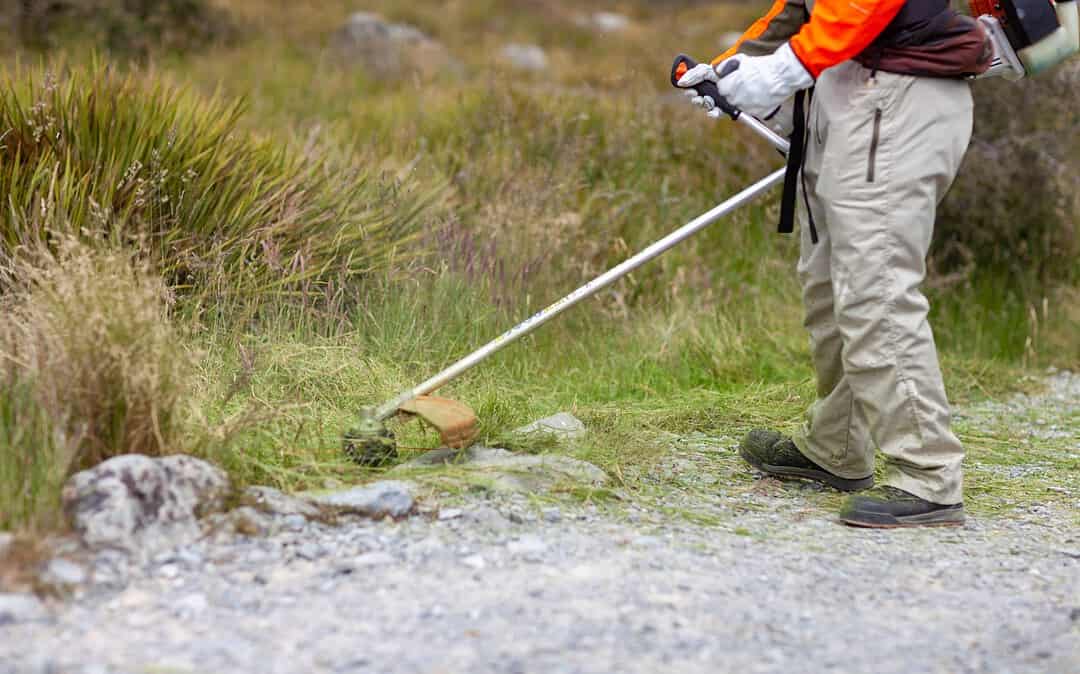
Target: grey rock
<point x="294" y="522"/>
<point x="374" y="559"/>
<point x="529" y="546"/>
<point x="310" y="551"/>
<point x="389" y="498"/>
<point x="6" y="539"/>
<point x="476" y="562"/>
<point x="526" y="57"/>
<point x="563" y="425"/>
<point x="552" y="515"/>
<point x="63" y="573"/>
<point x="450" y="514"/>
<point x="387" y="50"/>
<point x="530" y="473"/>
<point x="142" y="505"/>
<point x="191" y="605"/>
<point x="277" y="503"/>
<point x="21" y="608"/>
<point x="607" y="22"/>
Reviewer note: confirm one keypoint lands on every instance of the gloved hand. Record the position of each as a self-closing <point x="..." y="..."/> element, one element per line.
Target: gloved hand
<point x="758" y="86"/>
<point x="764" y="82"/>
<point x="702" y="72"/>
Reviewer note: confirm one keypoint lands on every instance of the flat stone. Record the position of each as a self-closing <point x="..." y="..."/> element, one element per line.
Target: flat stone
<point x="552" y="515"/>
<point x="476" y="562"/>
<point x="450" y="514"/>
<point x="530" y="473"/>
<point x="279" y="504"/>
<point x="374" y="559"/>
<point x="389" y="498"/>
<point x="563" y="425"/>
<point x="529" y="546"/>
<point x="21" y="608"/>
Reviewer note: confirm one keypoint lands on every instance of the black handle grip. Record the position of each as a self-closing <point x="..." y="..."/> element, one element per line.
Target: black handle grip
<point x="684" y="64"/>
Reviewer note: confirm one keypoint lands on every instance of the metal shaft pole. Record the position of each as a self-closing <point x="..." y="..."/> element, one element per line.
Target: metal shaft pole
<point x="587" y="290"/>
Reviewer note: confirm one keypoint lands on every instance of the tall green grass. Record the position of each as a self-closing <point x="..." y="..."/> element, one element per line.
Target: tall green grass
<point x="132" y="159"/>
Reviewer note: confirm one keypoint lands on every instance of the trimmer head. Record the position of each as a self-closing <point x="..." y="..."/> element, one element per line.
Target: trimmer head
<point x="369" y="442"/>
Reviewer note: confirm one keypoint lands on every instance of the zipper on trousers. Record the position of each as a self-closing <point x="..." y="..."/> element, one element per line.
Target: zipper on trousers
<point x="870" y="169"/>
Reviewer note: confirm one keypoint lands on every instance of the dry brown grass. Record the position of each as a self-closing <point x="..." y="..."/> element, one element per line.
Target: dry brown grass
<point x="90" y="367"/>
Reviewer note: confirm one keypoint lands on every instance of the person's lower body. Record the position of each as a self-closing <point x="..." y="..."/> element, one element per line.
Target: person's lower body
<point x="882" y="151"/>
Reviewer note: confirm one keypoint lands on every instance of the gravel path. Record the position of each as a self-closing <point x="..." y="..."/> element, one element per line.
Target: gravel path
<point x="512" y="585"/>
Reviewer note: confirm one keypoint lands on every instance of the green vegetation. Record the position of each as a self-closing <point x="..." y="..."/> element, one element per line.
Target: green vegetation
<point x="326" y="237"/>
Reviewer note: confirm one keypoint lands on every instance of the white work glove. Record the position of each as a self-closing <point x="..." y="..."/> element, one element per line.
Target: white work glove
<point x="758" y="86"/>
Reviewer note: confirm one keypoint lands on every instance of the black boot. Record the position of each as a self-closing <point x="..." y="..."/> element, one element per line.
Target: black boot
<point x="891" y="508"/>
<point x="772" y="453"/>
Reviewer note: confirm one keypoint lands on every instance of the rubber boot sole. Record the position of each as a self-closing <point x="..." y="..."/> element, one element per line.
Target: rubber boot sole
<point x="822" y="476"/>
<point x="953" y="517"/>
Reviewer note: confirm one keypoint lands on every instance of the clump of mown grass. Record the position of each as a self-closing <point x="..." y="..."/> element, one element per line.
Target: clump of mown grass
<point x="221" y="212"/>
<point x="90" y="367"/>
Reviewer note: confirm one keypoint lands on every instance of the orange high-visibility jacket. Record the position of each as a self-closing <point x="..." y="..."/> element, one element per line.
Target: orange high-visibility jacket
<point x="833" y="32"/>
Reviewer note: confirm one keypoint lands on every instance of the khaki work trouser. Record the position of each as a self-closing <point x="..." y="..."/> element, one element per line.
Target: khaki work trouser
<point x="882" y="151"/>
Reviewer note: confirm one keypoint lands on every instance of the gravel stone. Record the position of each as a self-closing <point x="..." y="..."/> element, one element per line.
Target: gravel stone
<point x="391" y="498"/>
<point x="450" y="514"/>
<point x="21" y="608"/>
<point x="552" y="515"/>
<point x="63" y="573"/>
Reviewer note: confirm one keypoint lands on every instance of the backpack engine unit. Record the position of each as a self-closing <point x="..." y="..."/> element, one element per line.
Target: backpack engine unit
<point x="1029" y="36"/>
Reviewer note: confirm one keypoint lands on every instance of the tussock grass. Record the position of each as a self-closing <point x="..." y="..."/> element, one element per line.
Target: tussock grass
<point x="90" y="367"/>
<point x="222" y="213"/>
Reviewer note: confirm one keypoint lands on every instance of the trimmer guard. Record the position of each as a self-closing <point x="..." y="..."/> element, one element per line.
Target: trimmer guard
<point x="455" y="421"/>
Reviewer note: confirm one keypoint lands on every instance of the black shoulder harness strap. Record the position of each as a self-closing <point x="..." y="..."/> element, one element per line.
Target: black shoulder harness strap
<point x="795" y="160"/>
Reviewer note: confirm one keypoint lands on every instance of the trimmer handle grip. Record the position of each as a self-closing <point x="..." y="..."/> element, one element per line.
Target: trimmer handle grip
<point x="683" y="64"/>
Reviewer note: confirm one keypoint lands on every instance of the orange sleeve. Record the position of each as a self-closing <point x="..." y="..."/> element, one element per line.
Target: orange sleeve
<point x="835" y="31"/>
<point x="756" y="30"/>
<point x="841" y="29"/>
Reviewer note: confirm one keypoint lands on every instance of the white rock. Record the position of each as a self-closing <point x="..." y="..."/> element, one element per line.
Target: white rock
<point x="450" y="514"/>
<point x="563" y="425"/>
<point x="388" y="50"/>
<point x="21" y="608"/>
<point x="143" y="505"/>
<point x="391" y="498"/>
<point x="552" y="515"/>
<point x="526" y="57"/>
<point x="476" y="562"/>
<point x="374" y="559"/>
<point x="527" y="546"/>
<point x="191" y="605"/>
<point x="609" y="22"/>
<point x="279" y="504"/>
<point x="63" y="572"/>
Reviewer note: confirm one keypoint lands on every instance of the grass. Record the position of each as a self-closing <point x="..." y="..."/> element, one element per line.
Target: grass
<point x="351" y="235"/>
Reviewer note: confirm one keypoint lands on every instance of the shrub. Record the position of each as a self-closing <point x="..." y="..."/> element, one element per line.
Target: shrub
<point x="90" y="367"/>
<point x="219" y="210"/>
<point x="1015" y="208"/>
<point x="133" y="27"/>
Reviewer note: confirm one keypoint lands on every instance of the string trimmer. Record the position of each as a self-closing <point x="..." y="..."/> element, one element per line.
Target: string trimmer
<point x="371" y="443"/>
